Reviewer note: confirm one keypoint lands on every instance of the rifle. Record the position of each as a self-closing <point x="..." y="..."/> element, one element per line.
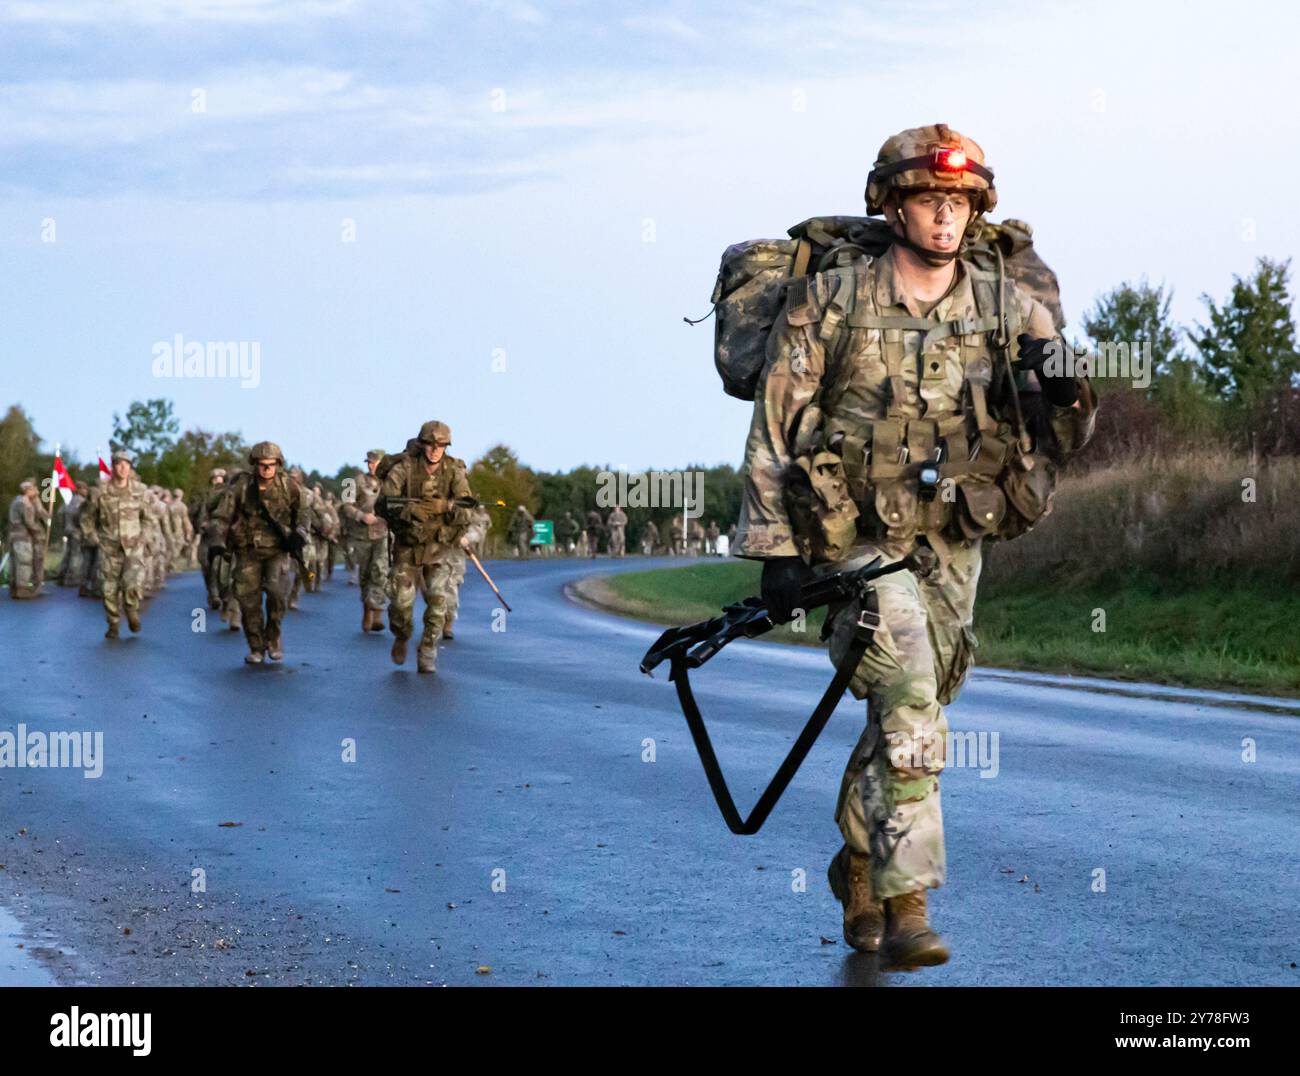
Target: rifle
<point x="690" y="647"/>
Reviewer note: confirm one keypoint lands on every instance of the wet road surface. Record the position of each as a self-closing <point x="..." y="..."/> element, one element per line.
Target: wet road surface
<point x="503" y="822"/>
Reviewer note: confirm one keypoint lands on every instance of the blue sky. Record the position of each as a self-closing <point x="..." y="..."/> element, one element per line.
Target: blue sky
<point x="539" y="192"/>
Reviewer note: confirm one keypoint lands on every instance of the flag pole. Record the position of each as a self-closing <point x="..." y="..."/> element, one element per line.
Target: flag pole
<point x="54" y="489"/>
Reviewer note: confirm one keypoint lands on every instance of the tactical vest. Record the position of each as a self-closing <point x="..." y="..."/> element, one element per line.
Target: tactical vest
<point x="250" y="530"/>
<point x="433" y="518"/>
<point x="900" y="394"/>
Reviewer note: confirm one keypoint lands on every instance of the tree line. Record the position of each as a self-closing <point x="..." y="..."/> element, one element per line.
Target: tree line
<point x="1231" y="382"/>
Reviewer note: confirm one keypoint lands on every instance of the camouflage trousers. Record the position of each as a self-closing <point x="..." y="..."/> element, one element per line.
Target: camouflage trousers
<point x="121" y="578"/>
<point x="253" y="577"/>
<point x="889" y="805"/>
<point x="370" y="555"/>
<point x="617" y="542"/>
<point x="91" y="585"/>
<point x="24" y="558"/>
<point x="406" y="580"/>
<point x="72" y="569"/>
<point x="452" y="591"/>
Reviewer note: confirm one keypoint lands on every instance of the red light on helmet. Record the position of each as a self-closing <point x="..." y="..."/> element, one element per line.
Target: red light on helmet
<point x="949" y="160"/>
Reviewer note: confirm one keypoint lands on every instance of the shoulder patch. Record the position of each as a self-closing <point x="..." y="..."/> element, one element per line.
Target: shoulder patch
<point x="801" y="305"/>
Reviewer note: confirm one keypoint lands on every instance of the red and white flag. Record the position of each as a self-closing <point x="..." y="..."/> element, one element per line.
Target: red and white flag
<point x="105" y="471"/>
<point x="61" y="480"/>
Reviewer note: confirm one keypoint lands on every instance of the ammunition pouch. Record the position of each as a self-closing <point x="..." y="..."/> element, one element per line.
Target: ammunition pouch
<point x="1028" y="494"/>
<point x="981" y="508"/>
<point x="822" y="514"/>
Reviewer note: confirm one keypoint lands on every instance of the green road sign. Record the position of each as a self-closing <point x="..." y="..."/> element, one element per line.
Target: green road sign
<point x="543" y="533"/>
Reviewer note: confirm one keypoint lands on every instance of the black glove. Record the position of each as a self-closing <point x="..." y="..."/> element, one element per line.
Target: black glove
<point x="297" y="542"/>
<point x="783" y="580"/>
<point x="1059" y="389"/>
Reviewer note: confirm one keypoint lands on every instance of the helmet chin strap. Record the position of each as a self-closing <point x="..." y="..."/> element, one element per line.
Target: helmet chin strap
<point x="934" y="258"/>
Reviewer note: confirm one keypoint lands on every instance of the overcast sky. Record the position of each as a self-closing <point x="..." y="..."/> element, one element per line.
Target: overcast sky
<point x="539" y="192"/>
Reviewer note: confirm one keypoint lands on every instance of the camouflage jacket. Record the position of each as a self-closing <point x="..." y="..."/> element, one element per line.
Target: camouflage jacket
<point x="181" y="529"/>
<point x="367" y="492"/>
<point x="521" y="525"/>
<point x="430" y="522"/>
<point x="239" y="520"/>
<point x="26" y="520"/>
<point x="617" y="519"/>
<point x="848" y="407"/>
<point x="116" y="515"/>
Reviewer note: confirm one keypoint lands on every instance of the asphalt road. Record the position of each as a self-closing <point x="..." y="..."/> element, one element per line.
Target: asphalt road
<point x="501" y="824"/>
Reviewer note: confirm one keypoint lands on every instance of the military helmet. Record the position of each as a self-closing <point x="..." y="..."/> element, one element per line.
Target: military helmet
<point x="266" y="450"/>
<point x="435" y="433"/>
<point x="375" y="455"/>
<point x="123" y="454"/>
<point x="178" y="493"/>
<point x="931" y="158"/>
<point x="26" y="484"/>
<point x="217" y="472"/>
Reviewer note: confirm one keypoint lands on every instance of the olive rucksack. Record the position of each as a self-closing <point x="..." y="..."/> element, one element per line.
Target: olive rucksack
<point x="750" y="290"/>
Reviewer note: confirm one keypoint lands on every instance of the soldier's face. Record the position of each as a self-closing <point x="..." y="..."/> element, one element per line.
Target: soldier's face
<point x="121" y="470"/>
<point x="936" y="220"/>
<point x="266" y="469"/>
<point x="371" y="465"/>
<point x="433" y="453"/>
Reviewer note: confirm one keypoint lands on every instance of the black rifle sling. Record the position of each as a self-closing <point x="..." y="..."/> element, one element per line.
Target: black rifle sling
<point x="865" y="630"/>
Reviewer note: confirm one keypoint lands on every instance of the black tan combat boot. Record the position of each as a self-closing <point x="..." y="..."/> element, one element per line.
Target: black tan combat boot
<point x="253" y="657"/>
<point x="274" y="648"/>
<point x="113" y="632"/>
<point x="366" y="619"/>
<point x="133" y="619"/>
<point x="909" y="941"/>
<point x="864" y="917"/>
<point x="377" y="620"/>
<point x="447" y="633"/>
<point x="399" y="650"/>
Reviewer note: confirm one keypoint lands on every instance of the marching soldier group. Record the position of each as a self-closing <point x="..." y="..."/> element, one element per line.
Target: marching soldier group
<point x="261" y="537"/>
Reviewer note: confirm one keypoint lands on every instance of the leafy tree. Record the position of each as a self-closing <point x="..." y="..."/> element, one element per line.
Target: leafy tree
<point x="1249" y="354"/>
<point x="190" y="461"/>
<point x="1177" y="404"/>
<point x="147" y="432"/>
<point x="19" y="450"/>
<point x="501" y="482"/>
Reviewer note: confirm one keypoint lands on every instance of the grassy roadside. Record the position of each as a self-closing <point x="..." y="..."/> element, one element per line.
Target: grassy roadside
<point x="1212" y="637"/>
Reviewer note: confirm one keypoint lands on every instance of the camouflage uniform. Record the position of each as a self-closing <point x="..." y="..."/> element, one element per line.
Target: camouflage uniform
<point x="521" y="531"/>
<point x="337" y="539"/>
<point x="181" y="529"/>
<point x="217" y="567"/>
<point x="617" y="523"/>
<point x="480" y="521"/>
<point x="263" y="562"/>
<point x="649" y="538"/>
<point x="115" y="521"/>
<point x="567" y="530"/>
<point x="369" y="544"/>
<point x="675" y="534"/>
<point x="851" y="412"/>
<point x="426" y="531"/>
<point x="594" y="527"/>
<point x="72" y="569"/>
<point x="303" y="569"/>
<point x="482" y="524"/>
<point x="27" y="520"/>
